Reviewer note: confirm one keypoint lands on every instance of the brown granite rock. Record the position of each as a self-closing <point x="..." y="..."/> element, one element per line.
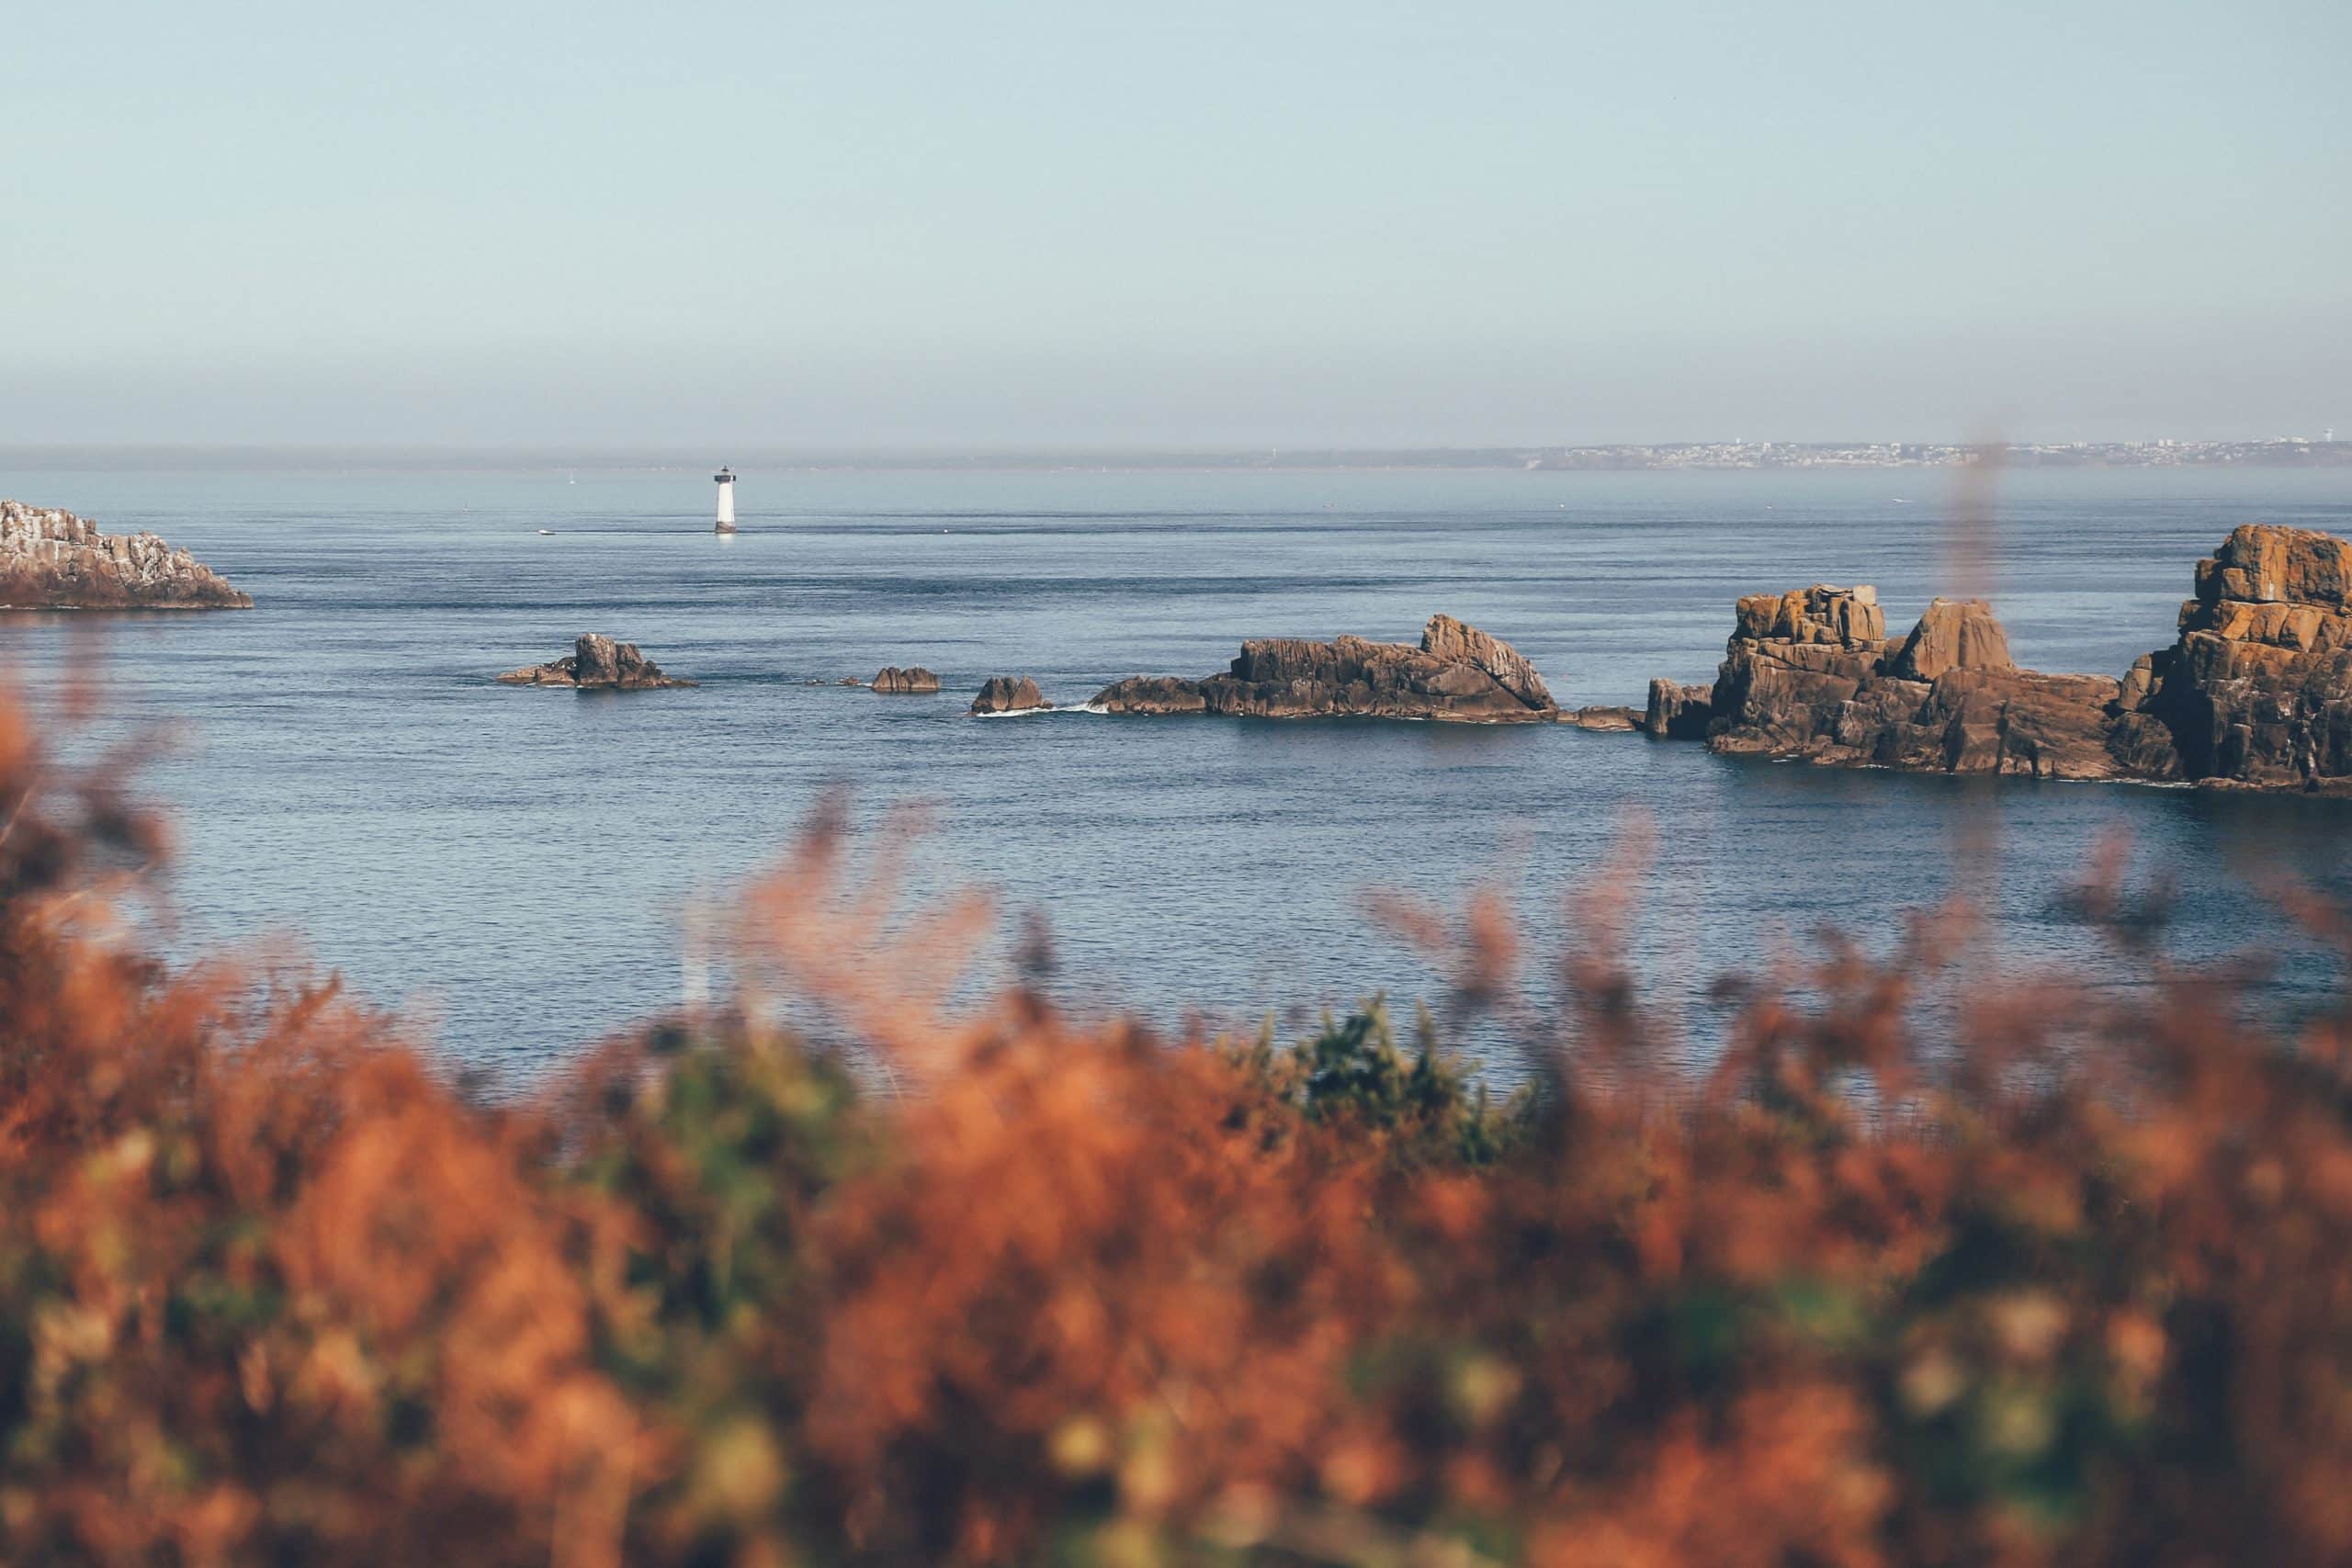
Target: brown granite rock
<point x="1457" y="674"/>
<point x="1819" y="614"/>
<point x="1006" y="693"/>
<point x="2258" y="690"/>
<point x="1793" y="663"/>
<point x="50" y="559"/>
<point x="1152" y="695"/>
<point x="1604" y="720"/>
<point x="1810" y="675"/>
<point x="914" y="681"/>
<point x="1953" y="635"/>
<point x="2264" y="563"/>
<point x="1678" y="712"/>
<point x="1448" y="639"/>
<point x="596" y="663"/>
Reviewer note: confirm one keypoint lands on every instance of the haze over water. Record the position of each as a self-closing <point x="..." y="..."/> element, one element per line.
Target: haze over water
<point x="521" y="858"/>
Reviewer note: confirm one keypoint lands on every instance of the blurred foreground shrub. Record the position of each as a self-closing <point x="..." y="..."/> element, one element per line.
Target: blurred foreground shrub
<point x="2068" y="1282"/>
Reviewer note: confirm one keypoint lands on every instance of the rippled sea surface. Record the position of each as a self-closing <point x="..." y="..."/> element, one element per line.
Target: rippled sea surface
<point x="517" y="861"/>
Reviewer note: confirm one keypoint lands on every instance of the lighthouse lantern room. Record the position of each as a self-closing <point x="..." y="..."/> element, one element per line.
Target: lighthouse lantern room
<point x="726" y="478"/>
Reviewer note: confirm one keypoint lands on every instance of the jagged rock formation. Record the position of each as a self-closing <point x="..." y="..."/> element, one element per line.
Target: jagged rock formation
<point x="913" y="681"/>
<point x="1006" y="693"/>
<point x="2257" y="691"/>
<point x="596" y="663"/>
<point x="1450" y="641"/>
<point x="50" y="559"/>
<point x="1457" y="673"/>
<point x="1812" y="674"/>
<point x="1846" y="616"/>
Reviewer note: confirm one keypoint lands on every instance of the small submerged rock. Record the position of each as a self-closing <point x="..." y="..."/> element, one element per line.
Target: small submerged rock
<point x="913" y="681"/>
<point x="50" y="559"/>
<point x="596" y="663"/>
<point x="1007" y="694"/>
<point x="1612" y="720"/>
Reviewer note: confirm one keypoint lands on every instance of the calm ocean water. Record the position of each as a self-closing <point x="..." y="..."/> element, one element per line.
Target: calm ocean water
<point x="517" y="861"/>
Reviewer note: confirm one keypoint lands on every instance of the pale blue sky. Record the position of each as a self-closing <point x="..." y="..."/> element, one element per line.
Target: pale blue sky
<point x="1037" y="223"/>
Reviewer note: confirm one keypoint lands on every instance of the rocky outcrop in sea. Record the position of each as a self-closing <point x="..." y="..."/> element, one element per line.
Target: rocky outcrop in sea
<point x="1457" y="672"/>
<point x="2256" y="691"/>
<point x="596" y="663"/>
<point x="2258" y="688"/>
<point x="1009" y="693"/>
<point x="50" y="559"/>
<point x="914" y="681"/>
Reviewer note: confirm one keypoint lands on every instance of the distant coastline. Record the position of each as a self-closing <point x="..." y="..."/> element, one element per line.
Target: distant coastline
<point x="2280" y="452"/>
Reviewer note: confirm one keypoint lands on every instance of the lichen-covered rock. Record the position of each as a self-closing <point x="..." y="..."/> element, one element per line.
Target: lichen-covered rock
<point x="596" y="663"/>
<point x="1819" y="614"/>
<point x="50" y="559"/>
<point x="1458" y="674"/>
<point x="1793" y="663"/>
<point x="1006" y="693"/>
<point x="2256" y="691"/>
<point x="2264" y="563"/>
<point x="912" y="681"/>
<point x="1810" y="675"/>
<point x="2258" y="688"/>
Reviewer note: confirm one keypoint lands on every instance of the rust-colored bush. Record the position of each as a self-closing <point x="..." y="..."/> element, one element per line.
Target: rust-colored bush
<point x="2062" y="1278"/>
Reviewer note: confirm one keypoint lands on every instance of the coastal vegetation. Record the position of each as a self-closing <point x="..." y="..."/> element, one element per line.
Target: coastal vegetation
<point x="835" y="1272"/>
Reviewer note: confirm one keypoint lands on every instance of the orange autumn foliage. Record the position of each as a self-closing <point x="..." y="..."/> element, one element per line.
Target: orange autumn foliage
<point x="2058" y="1278"/>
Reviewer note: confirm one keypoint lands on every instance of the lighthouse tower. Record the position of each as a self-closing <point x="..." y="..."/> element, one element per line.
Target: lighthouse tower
<point x="726" y="478"/>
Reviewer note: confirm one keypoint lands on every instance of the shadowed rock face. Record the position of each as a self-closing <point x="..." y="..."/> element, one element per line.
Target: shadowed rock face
<point x="51" y="559"/>
<point x="1458" y="674"/>
<point x="1006" y="693"/>
<point x="596" y="663"/>
<point x="2257" y="691"/>
<point x="913" y="681"/>
<point x="1678" y="712"/>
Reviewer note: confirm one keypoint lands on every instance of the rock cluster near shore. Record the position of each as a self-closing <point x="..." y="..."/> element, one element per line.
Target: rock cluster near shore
<point x="51" y="559"/>
<point x="2258" y="690"/>
<point x="913" y="681"/>
<point x="596" y="663"/>
<point x="1457" y="673"/>
<point x="1009" y="693"/>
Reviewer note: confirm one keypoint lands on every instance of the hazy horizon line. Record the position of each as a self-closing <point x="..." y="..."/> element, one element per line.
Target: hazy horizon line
<point x="55" y="454"/>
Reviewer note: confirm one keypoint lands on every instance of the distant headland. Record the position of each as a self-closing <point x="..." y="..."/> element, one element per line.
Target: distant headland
<point x="2274" y="452"/>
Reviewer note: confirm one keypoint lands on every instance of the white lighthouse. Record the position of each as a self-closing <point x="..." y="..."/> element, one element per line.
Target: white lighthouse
<point x="726" y="478"/>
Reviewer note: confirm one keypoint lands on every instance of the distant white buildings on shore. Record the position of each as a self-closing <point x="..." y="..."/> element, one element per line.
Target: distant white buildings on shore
<point x="2163" y="452"/>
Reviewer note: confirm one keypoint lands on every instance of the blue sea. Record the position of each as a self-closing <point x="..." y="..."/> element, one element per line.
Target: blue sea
<point x="518" y="866"/>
